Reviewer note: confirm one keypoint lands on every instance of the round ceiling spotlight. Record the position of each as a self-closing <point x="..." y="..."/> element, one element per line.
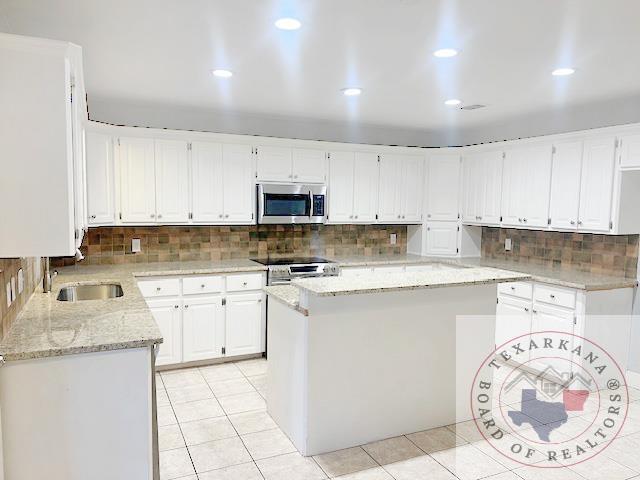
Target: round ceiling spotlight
<point x="288" y="23"/>
<point x="351" y="91"/>
<point x="452" y="102"/>
<point x="445" y="53"/>
<point x="221" y="73"/>
<point x="563" y="72"/>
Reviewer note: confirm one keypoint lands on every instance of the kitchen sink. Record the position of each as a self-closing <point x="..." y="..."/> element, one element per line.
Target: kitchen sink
<point x="90" y="292"/>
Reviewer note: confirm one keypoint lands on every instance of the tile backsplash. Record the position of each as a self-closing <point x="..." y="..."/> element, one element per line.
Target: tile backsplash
<point x="112" y="245"/>
<point x="9" y="268"/>
<point x="604" y="254"/>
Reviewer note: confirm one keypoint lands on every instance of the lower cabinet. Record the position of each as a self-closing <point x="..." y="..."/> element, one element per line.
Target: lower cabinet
<point x="244" y="332"/>
<point x="168" y="315"/>
<point x="203" y="328"/>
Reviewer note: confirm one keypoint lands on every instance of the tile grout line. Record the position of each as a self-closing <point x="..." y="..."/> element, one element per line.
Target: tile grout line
<point x="431" y="456"/>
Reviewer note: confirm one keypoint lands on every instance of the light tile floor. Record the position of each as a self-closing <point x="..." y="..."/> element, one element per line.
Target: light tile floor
<point x="213" y="425"/>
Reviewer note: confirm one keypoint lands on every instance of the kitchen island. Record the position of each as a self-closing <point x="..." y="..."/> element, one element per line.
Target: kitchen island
<point x="358" y="359"/>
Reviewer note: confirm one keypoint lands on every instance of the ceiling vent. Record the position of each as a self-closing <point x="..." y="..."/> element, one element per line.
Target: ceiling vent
<point x="472" y="107"/>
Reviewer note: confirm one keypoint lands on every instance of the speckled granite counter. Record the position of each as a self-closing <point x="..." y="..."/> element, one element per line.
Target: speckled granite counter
<point x="287" y="294"/>
<point x="48" y="328"/>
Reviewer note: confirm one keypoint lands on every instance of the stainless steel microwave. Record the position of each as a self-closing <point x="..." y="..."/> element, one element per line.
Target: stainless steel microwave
<point x="289" y="203"/>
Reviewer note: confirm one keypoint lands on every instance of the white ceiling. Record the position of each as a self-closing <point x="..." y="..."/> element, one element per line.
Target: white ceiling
<point x="162" y="52"/>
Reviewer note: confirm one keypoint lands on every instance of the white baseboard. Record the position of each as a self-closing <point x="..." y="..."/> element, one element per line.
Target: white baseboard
<point x="633" y="379"/>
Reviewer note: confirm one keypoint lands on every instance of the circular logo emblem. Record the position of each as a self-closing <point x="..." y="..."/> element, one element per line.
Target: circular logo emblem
<point x="549" y="399"/>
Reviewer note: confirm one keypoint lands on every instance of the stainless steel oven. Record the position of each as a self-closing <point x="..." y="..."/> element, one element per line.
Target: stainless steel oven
<point x="289" y="203"/>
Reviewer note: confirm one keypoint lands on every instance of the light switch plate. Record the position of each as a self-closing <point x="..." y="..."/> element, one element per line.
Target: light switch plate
<point x="393" y="238"/>
<point x="507" y="244"/>
<point x="20" y="281"/>
<point x="135" y="245"/>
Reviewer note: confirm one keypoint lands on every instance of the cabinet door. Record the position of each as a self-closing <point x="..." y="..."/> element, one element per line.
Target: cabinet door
<point x="565" y="185"/>
<point x="100" y="186"/>
<point x="630" y="151"/>
<point x="172" y="181"/>
<point x="411" y="189"/>
<point x="513" y="318"/>
<point x="513" y="186"/>
<point x="442" y="238"/>
<point x="555" y="320"/>
<point x="202" y="328"/>
<point x="538" y="186"/>
<point x="137" y="180"/>
<point x="239" y="186"/>
<point x="492" y="188"/>
<point x="309" y="166"/>
<point x="244" y="315"/>
<point x="341" y="185"/>
<point x="365" y="188"/>
<point x="390" y="197"/>
<point x="207" y="182"/>
<point x="471" y="189"/>
<point x="443" y="187"/>
<point x="168" y="315"/>
<point x="596" y="187"/>
<point x="274" y="164"/>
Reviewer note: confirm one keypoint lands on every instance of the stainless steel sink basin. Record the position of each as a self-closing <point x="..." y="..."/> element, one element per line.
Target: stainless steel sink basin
<point x="90" y="292"/>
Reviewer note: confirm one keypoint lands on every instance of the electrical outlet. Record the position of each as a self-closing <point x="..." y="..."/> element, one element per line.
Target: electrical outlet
<point x="393" y="238"/>
<point x="507" y="244"/>
<point x="20" y="281"/>
<point x="13" y="289"/>
<point x="135" y="245"/>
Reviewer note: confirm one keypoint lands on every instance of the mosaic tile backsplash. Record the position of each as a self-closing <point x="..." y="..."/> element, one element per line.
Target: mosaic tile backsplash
<point x="112" y="245"/>
<point x="32" y="276"/>
<point x="605" y="254"/>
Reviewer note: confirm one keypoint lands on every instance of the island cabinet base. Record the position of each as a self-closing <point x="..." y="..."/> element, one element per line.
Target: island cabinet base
<point x="361" y="368"/>
<point x="79" y="417"/>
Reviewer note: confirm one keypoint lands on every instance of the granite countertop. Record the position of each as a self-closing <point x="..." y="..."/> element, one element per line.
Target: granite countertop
<point x="385" y="282"/>
<point x="47" y="327"/>
<point x="373" y="260"/>
<point x="287" y="294"/>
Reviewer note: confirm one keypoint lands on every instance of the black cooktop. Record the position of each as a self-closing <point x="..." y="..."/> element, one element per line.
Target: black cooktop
<point x="290" y="260"/>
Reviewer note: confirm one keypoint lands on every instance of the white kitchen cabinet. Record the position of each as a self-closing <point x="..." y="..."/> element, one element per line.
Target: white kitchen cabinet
<point x="274" y="164"/>
<point x="203" y="327"/>
<point x="400" y="191"/>
<point x="172" y="181"/>
<point x="482" y="188"/>
<point x="167" y="313"/>
<point x="472" y="188"/>
<point x="443" y="187"/>
<point x="596" y="187"/>
<point x="137" y="180"/>
<point x="100" y="179"/>
<point x="365" y="187"/>
<point x="492" y="180"/>
<point x="244" y="324"/>
<point x="411" y="189"/>
<point x="630" y="151"/>
<point x="239" y="186"/>
<point x="353" y="187"/>
<point x="309" y="165"/>
<point x="442" y="238"/>
<point x="513" y="319"/>
<point x="565" y="185"/>
<point x="207" y="182"/>
<point x="550" y="319"/>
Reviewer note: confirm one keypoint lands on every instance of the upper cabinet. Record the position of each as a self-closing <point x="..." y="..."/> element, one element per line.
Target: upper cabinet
<point x="443" y="187"/>
<point x="100" y="186"/>
<point x="172" y="181"/>
<point x="281" y="164"/>
<point x="238" y="184"/>
<point x="353" y="187"/>
<point x="565" y="185"/>
<point x="137" y="180"/>
<point x="630" y="151"/>
<point x="400" y="191"/>
<point x="482" y="189"/>
<point x="596" y="186"/>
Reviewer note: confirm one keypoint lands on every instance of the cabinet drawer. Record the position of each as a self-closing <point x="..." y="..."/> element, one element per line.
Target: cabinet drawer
<point x="239" y="283"/>
<point x="516" y="289"/>
<point x="203" y="284"/>
<point x="159" y="287"/>
<point x="560" y="297"/>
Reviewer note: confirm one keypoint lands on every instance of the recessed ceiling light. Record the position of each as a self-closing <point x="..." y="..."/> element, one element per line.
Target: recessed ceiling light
<point x="222" y="73"/>
<point x="288" y="23"/>
<point x="351" y="91"/>
<point x="452" y="102"/>
<point x="563" y="72"/>
<point x="445" y="53"/>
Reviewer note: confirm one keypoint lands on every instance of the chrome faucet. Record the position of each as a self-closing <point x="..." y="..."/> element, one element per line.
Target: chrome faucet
<point x="47" y="281"/>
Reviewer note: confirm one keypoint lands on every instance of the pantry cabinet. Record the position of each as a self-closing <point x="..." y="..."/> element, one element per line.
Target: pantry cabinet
<point x="443" y="187"/>
<point x="353" y="187"/>
<point x="137" y="180"/>
<point x="400" y="191"/>
<point x="172" y="181"/>
<point x="100" y="179"/>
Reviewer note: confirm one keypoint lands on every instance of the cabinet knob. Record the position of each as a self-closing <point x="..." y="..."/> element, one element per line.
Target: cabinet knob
<point x="356" y="216"/>
<point x="290" y="176"/>
<point x="535" y="311"/>
<point x="295" y="176"/>
<point x="524" y="220"/>
<point x="428" y="215"/>
<point x="552" y="295"/>
<point x="220" y="216"/>
<point x="520" y="220"/>
<point x="399" y="216"/>
<point x="526" y="309"/>
<point x="244" y="284"/>
<point x="579" y="222"/>
<point x="93" y="216"/>
<point x="202" y="286"/>
<point x="186" y="306"/>
<point x="350" y="216"/>
<point x="158" y="289"/>
<point x="159" y="216"/>
<point x="176" y="306"/>
<point x="226" y="216"/>
<point x="153" y="215"/>
<point x="572" y="222"/>
<point x="513" y="288"/>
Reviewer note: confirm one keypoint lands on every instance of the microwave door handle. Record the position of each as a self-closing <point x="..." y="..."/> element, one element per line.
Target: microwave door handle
<point x="310" y="204"/>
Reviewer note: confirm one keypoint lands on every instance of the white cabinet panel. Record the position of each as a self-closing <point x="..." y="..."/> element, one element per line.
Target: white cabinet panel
<point x="168" y="315"/>
<point x="482" y="188"/>
<point x="411" y="189"/>
<point x="630" y="151"/>
<point x="596" y="188"/>
<point x="137" y="180"/>
<point x="207" y="182"/>
<point x="309" y="166"/>
<point x="442" y="238"/>
<point x="472" y="189"/>
<point x="100" y="185"/>
<point x="172" y="181"/>
<point x="239" y="186"/>
<point x="341" y="187"/>
<point x="554" y="320"/>
<point x="203" y="328"/>
<point x="443" y="187"/>
<point x="513" y="319"/>
<point x="365" y="188"/>
<point x="244" y="324"/>
<point x="492" y="192"/>
<point x="538" y="186"/>
<point x="389" y="197"/>
<point x="565" y="185"/>
<point x="513" y="181"/>
<point x="274" y="164"/>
